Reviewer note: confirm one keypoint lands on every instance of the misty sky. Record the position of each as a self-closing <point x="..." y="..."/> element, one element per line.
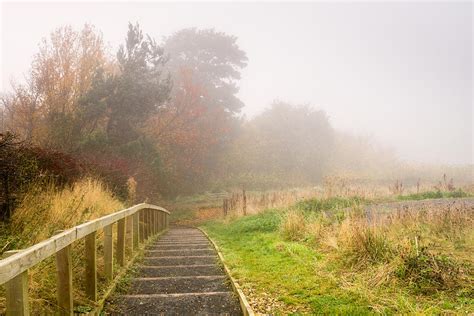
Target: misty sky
<point x="398" y="72"/>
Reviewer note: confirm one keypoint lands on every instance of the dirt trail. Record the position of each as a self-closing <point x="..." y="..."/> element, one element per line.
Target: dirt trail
<point x="180" y="275"/>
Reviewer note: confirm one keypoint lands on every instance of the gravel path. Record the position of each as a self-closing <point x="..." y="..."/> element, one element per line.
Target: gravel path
<point x="180" y="275"/>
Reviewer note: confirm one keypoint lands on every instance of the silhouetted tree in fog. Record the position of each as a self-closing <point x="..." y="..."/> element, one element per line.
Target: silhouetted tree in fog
<point x="285" y="145"/>
<point x="214" y="58"/>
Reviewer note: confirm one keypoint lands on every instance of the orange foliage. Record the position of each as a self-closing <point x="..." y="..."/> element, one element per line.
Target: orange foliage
<point x="187" y="130"/>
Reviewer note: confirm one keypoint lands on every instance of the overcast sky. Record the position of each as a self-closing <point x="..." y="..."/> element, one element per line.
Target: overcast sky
<point x="399" y="72"/>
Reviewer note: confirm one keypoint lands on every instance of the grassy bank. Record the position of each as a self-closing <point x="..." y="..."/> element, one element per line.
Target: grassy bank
<point x="302" y="260"/>
<point x="42" y="212"/>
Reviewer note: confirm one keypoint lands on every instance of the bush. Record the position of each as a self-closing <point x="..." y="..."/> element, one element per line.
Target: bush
<point x="62" y="167"/>
<point x="22" y="165"/>
<point x="17" y="170"/>
<point x="428" y="273"/>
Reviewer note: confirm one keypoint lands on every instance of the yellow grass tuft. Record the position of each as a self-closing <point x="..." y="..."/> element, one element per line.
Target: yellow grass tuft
<point x="43" y="211"/>
<point x="293" y="226"/>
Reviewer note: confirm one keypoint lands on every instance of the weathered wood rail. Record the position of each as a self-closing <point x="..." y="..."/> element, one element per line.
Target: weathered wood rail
<point x="136" y="224"/>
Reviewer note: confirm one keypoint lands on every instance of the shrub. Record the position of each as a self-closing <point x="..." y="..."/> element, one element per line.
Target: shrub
<point x="428" y="273"/>
<point x="22" y="165"/>
<point x="62" y="167"/>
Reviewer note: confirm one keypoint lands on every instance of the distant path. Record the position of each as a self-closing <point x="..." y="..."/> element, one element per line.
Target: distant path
<point x="180" y="275"/>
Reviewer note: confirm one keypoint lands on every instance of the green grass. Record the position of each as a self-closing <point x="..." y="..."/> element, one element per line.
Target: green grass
<point x="434" y="195"/>
<point x="290" y="271"/>
<point x="181" y="214"/>
<point x="331" y="204"/>
<point x="307" y="277"/>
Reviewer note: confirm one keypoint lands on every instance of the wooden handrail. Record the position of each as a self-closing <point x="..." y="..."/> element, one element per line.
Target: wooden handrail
<point x="16" y="266"/>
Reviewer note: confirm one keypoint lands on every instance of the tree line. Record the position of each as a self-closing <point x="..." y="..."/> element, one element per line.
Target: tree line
<point x="167" y="115"/>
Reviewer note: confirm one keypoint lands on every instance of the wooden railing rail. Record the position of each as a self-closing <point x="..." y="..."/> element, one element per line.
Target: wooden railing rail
<point x="138" y="223"/>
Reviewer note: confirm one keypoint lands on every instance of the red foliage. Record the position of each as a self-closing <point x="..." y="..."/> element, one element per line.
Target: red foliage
<point x="187" y="131"/>
<point x="64" y="168"/>
<point x="113" y="170"/>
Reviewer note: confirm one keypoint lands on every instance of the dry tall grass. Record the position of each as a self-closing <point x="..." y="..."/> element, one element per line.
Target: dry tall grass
<point x="44" y="211"/>
<point x="426" y="250"/>
<point x="332" y="186"/>
<point x="293" y="226"/>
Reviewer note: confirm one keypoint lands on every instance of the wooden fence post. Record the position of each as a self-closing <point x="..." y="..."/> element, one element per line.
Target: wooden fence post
<point x="152" y="219"/>
<point x="148" y="223"/>
<point x="145" y="224"/>
<point x="121" y="242"/>
<point x="91" y="266"/>
<point x="136" y="232"/>
<point x="109" y="251"/>
<point x="224" y="207"/>
<point x="64" y="279"/>
<point x="142" y="225"/>
<point x="152" y="222"/>
<point x="158" y="216"/>
<point x="155" y="221"/>
<point x="244" y="206"/>
<point x="17" y="292"/>
<point x="129" y="237"/>
<point x="161" y="222"/>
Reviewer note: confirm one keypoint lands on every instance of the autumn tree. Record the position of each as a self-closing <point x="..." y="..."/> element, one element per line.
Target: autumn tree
<point x="216" y="61"/>
<point x="192" y="129"/>
<point x="45" y="110"/>
<point x="185" y="132"/>
<point x="125" y="99"/>
<point x="22" y="110"/>
<point x="119" y="104"/>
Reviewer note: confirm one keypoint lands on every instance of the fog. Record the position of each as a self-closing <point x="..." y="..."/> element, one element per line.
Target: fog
<point x="399" y="73"/>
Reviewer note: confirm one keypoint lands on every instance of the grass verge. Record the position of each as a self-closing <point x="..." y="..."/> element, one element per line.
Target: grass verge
<point x="302" y="261"/>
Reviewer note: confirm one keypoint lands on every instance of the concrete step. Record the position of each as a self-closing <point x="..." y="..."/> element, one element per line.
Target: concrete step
<point x="183" y="237"/>
<point x="176" y="247"/>
<point x="170" y="243"/>
<point x="220" y="303"/>
<point x="187" y="252"/>
<point x="179" y="240"/>
<point x="156" y="271"/>
<point x="171" y="261"/>
<point x="189" y="284"/>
